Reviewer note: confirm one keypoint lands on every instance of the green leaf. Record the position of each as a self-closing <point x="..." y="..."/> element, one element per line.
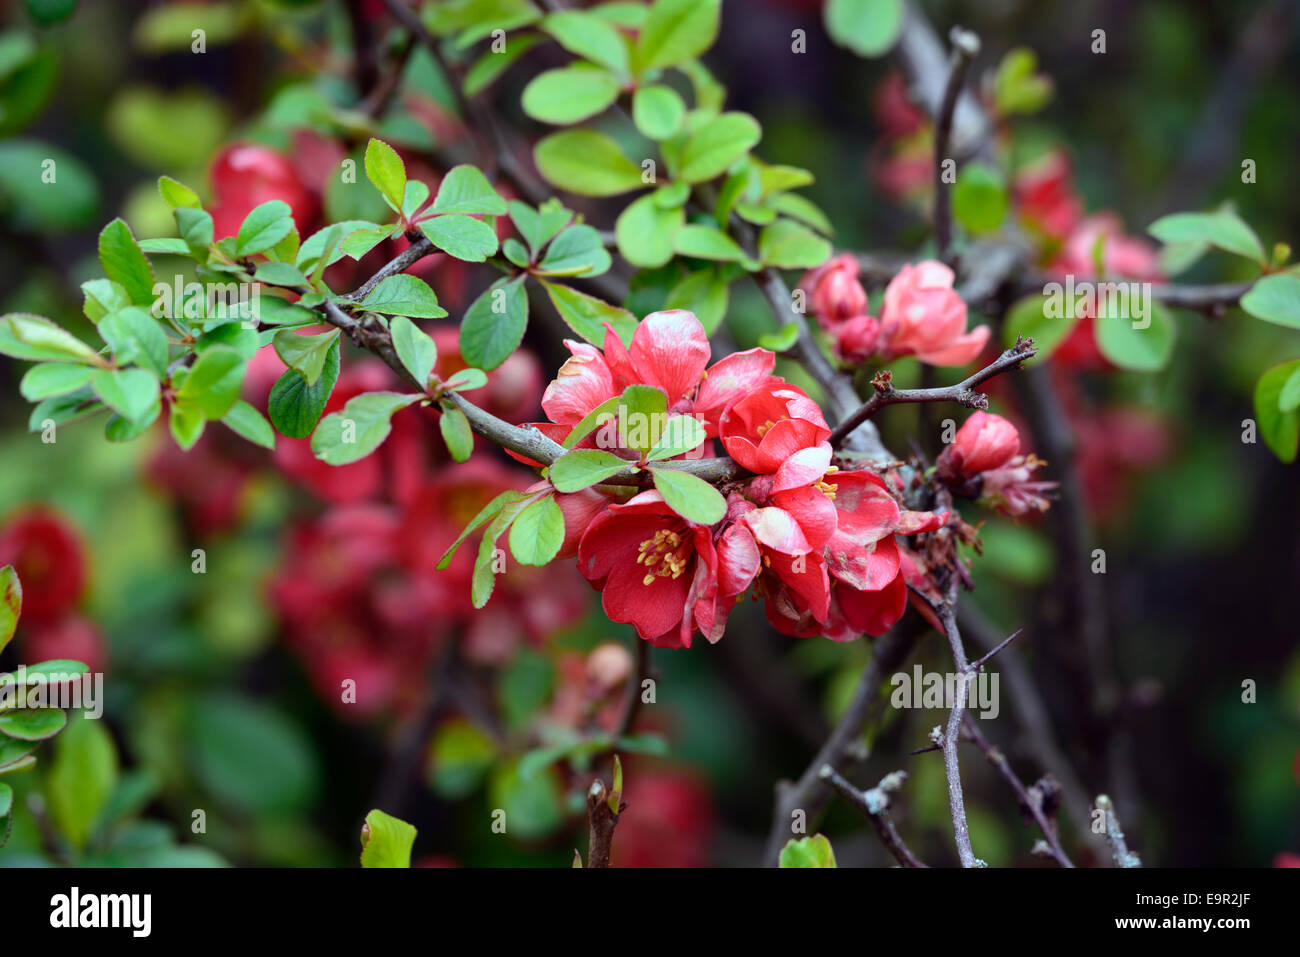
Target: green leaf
<point x="488" y="512"/>
<point x="471" y="240"/>
<point x="658" y="111"/>
<point x="135" y="336"/>
<point x="359" y="242"/>
<point x="586" y="315"/>
<point x="1017" y="87"/>
<point x="646" y="233"/>
<point x="804" y="210"/>
<point x="539" y="226"/>
<point x="294" y="406"/>
<point x="414" y="347"/>
<point x="711" y="149"/>
<point x="582" y="468"/>
<point x="586" y="163"/>
<point x="979" y="199"/>
<point x="416" y="195"/>
<point x="578" y="251"/>
<point x="1289" y="398"/>
<point x="491" y="64"/>
<point x="1280" y="429"/>
<point x="102" y="296"/>
<point x="494" y="324"/>
<point x="867" y="27"/>
<point x="784" y="338"/>
<point x="676" y="31"/>
<point x="689" y="496"/>
<point x="35" y="338"/>
<point x="1222" y="228"/>
<point x="360" y="428"/>
<point x="704" y="293"/>
<point x="788" y="245"/>
<point x="537" y="534"/>
<point x="263" y="227"/>
<point x="186" y="423"/>
<point x="6" y="807"/>
<point x="570" y="94"/>
<point x="280" y="274"/>
<point x="132" y="393"/>
<point x="250" y="757"/>
<point x="53" y="378"/>
<point x="176" y="194"/>
<point x="459" y="756"/>
<point x="484" y="578"/>
<point x="305" y="353"/>
<point x="32" y="724"/>
<point x="81" y="778"/>
<point x="54" y="671"/>
<point x="386" y="170"/>
<point x="170" y="246"/>
<point x="246" y="421"/>
<point x="125" y="263"/>
<point x="1275" y="299"/>
<point x="12" y="753"/>
<point x="681" y="434"/>
<point x="1139" y="350"/>
<point x="466" y="380"/>
<point x="404" y="295"/>
<point x="196" y="228"/>
<point x="386" y="841"/>
<point x="466" y="190"/>
<point x="590" y="37"/>
<point x="707" y="242"/>
<point x="11" y="603"/>
<point x="812" y="851"/>
<point x="456" y="432"/>
<point x="1030" y="318"/>
<point x="328" y="243"/>
<point x="214" y="381"/>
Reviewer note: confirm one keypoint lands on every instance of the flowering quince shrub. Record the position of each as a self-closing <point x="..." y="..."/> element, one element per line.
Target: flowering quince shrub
<point x="362" y="307"/>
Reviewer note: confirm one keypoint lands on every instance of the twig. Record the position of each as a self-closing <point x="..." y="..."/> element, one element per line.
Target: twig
<point x="952" y="770"/>
<point x="1031" y="801"/>
<point x="963" y="392"/>
<point x="875" y="805"/>
<point x="602" y="821"/>
<point x="1122" y="856"/>
<point x="965" y="47"/>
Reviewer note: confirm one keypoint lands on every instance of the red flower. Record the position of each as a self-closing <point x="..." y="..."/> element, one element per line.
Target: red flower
<point x="922" y="315"/>
<point x="70" y="637"/>
<point x="857" y="339"/>
<point x="834" y="291"/>
<point x="983" y="442"/>
<point x="662" y="574"/>
<point x="669" y="351"/>
<point x="244" y="176"/>
<point x="50" y="560"/>
<point x="1044" y="194"/>
<point x="774" y="422"/>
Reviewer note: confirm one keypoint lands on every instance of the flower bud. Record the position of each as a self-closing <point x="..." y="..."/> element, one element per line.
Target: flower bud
<point x="983" y="442"/>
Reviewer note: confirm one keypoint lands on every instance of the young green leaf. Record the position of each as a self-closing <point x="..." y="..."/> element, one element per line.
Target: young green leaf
<point x="244" y="420"/>
<point x="196" y="228"/>
<point x="588" y="36"/>
<point x="1222" y="228"/>
<point x="707" y="242"/>
<point x="582" y="468"/>
<point x="537" y="534"/>
<point x="704" y="293"/>
<point x="586" y="315"/>
<point x="812" y="851"/>
<point x="131" y="393"/>
<point x="658" y="111"/>
<point x="176" y="194"/>
<point x="263" y="227"/>
<point x="11" y="603"/>
<point x="485" y="563"/>
<point x="717" y="144"/>
<point x="305" y="353"/>
<point x="36" y="339"/>
<point x="488" y="512"/>
<point x="360" y="428"/>
<point x="1124" y="343"/>
<point x="456" y="433"/>
<point x="681" y="434"/>
<point x="186" y="423"/>
<point x="280" y="274"/>
<point x="869" y="28"/>
<point x="494" y="324"/>
<point x="214" y="381"/>
<point x="294" y="406"/>
<point x="1275" y="299"/>
<point x="689" y="496"/>
<point x="386" y="841"/>
<point x="81" y="779"/>
<point x="586" y="163"/>
<point x="570" y="94"/>
<point x="135" y="336"/>
<point x="676" y="31"/>
<point x="646" y="232"/>
<point x="1280" y="428"/>
<point x="414" y="347"/>
<point x="125" y="263"/>
<point x="787" y="245"/>
<point x="386" y="170"/>
<point x="577" y="251"/>
<point x="466" y="190"/>
<point x="404" y="295"/>
<point x="53" y="379"/>
<point x="464" y="237"/>
<point x="32" y="724"/>
<point x="539" y="226"/>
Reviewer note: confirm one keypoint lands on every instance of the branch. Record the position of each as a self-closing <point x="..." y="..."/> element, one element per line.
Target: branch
<point x="948" y="617"/>
<point x="963" y="392"/>
<point x="875" y="805"/>
<point x="603" y="819"/>
<point x="965" y="47"/>
<point x="1123" y="857"/>
<point x="1031" y="800"/>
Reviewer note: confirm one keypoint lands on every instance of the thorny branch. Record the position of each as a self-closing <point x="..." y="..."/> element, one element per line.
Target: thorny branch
<point x="875" y="805"/>
<point x="965" y="47"/>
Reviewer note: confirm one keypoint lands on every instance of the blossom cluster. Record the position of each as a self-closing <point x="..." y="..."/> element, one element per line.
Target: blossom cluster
<point x="922" y="314"/>
<point x="816" y="543"/>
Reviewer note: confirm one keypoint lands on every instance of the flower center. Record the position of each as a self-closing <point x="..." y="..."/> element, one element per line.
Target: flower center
<point x="664" y="555"/>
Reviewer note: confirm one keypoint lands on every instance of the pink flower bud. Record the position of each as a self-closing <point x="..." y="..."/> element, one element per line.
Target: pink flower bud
<point x="835" y="291"/>
<point x="983" y="442"/>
